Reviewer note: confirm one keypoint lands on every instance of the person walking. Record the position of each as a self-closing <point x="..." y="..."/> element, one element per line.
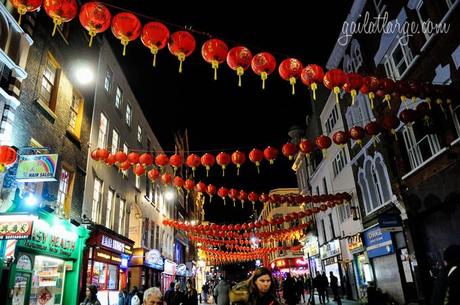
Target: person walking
<point x="152" y="296"/>
<point x="191" y="296"/>
<point x="318" y="283"/>
<point x="177" y="296"/>
<point x="169" y="293"/>
<point x="325" y="286"/>
<point x="289" y="290"/>
<point x="262" y="288"/>
<point x="452" y="261"/>
<point x="221" y="293"/>
<point x="123" y="297"/>
<point x="91" y="296"/>
<point x="134" y="298"/>
<point x="204" y="292"/>
<point x="335" y="287"/>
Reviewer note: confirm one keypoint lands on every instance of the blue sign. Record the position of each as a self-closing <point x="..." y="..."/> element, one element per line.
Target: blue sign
<point x="377" y="242"/>
<point x="390" y="222"/>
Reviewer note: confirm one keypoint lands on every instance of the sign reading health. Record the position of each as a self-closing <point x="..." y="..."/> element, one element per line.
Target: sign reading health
<point x="37" y="168"/>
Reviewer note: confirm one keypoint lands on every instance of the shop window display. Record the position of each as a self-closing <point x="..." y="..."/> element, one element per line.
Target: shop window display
<point x="104" y="276"/>
<point x="47" y="281"/>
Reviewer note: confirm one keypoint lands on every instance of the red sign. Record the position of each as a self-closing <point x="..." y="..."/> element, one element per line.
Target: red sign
<point x="16" y="226"/>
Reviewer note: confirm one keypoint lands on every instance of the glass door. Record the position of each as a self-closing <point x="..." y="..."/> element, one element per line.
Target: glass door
<point x="20" y="288"/>
<point x="47" y="281"/>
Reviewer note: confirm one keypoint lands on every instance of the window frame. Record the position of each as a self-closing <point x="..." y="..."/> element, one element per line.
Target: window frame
<point x="118" y="97"/>
<point x="412" y="145"/>
<point x="109" y="208"/>
<point x="54" y="84"/>
<point x="114" y="146"/>
<point x="391" y="67"/>
<point x="121" y="216"/>
<point x="76" y="130"/>
<point x="63" y="197"/>
<point x="129" y="114"/>
<point x="103" y="133"/>
<point x="97" y="203"/>
<point x="108" y="80"/>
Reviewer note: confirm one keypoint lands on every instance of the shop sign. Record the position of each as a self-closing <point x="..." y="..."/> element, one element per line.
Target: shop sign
<point x="377" y="242"/>
<point x="181" y="270"/>
<point x="170" y="267"/>
<point x="24" y="262"/>
<point x="16" y="226"/>
<point x="390" y="223"/>
<point x="332" y="248"/>
<point x="154" y="260"/>
<point x="54" y="239"/>
<point x="355" y="243"/>
<point x="331" y="260"/>
<point x="37" y="168"/>
<point x="311" y="246"/>
<point x="108" y="257"/>
<point x="115" y="245"/>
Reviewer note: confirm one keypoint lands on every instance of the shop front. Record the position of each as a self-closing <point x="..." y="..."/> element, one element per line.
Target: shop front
<point x="361" y="266"/>
<point x="44" y="254"/>
<point x="311" y="253"/>
<point x="168" y="275"/>
<point x="108" y="257"/>
<point x="146" y="267"/>
<point x="331" y="259"/>
<point x="296" y="266"/>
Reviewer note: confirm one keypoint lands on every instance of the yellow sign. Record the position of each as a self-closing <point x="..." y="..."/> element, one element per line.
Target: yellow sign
<point x="37" y="168"/>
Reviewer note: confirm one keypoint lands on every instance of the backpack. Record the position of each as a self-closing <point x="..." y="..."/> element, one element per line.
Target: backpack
<point x="135" y="300"/>
<point x="239" y="293"/>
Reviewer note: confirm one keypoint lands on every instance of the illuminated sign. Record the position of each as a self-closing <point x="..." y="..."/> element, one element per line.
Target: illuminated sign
<point x="311" y="246"/>
<point x="108" y="257"/>
<point x="170" y="267"/>
<point x="115" y="245"/>
<point x="332" y="248"/>
<point x="153" y="259"/>
<point x="181" y="270"/>
<point x="16" y="226"/>
<point x="37" y="168"/>
<point x="355" y="243"/>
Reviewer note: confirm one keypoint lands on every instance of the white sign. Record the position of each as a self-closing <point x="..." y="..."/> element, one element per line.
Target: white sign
<point x="330" y="249"/>
<point x="113" y="244"/>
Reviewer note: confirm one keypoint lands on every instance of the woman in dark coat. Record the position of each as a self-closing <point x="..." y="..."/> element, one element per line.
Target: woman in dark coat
<point x="91" y="296"/>
<point x="191" y="296"/>
<point x="262" y="288"/>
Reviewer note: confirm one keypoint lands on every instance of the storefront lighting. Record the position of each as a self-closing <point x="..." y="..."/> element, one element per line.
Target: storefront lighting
<point x="169" y="195"/>
<point x="31" y="200"/>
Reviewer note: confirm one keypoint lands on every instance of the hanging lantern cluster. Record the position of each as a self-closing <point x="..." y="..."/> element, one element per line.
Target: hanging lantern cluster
<point x="8" y="156"/>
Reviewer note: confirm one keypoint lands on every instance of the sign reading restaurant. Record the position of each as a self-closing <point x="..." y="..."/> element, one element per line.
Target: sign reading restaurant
<point x="16" y="226"/>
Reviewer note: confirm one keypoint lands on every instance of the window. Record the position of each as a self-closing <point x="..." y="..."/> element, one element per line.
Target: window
<point x="118" y="97"/>
<point x="333" y="117"/>
<point x="63" y="191"/>
<point x="121" y="217"/>
<point x="97" y="199"/>
<point x="423" y="16"/>
<point x="108" y="215"/>
<point x="152" y="234"/>
<point x="49" y="80"/>
<point x="125" y="150"/>
<point x="379" y="7"/>
<point x="323" y="227"/>
<point x="339" y="162"/>
<point x="145" y="232"/>
<point x="115" y="140"/>
<point x="103" y="128"/>
<point x="399" y="60"/>
<point x="129" y="113"/>
<point x="344" y="211"/>
<point x="138" y="182"/>
<point x="420" y="145"/>
<point x="325" y="186"/>
<point x="347" y="64"/>
<point x="76" y="113"/>
<point x="108" y="80"/>
<point x="332" y="226"/>
<point x="139" y="133"/>
<point x="157" y="236"/>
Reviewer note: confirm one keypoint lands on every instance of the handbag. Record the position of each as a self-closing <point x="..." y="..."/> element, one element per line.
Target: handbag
<point x="239" y="293"/>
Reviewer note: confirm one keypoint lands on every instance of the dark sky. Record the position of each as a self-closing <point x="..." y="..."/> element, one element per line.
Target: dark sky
<point x="218" y="114"/>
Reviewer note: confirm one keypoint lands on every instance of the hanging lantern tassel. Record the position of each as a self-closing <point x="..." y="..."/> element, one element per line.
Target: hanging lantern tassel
<point x="239" y="72"/>
<point x="439" y="102"/>
<point x="193" y="171"/>
<point x="215" y="66"/>
<point x="353" y="95"/>
<point x="404" y="100"/>
<point x="225" y="201"/>
<point x="181" y="57"/>
<point x="393" y="131"/>
<point x="313" y="87"/>
<point x="210" y="198"/>
<point x="263" y="76"/>
<point x="92" y="34"/>
<point x="324" y="151"/>
<point x="238" y="169"/>
<point x="22" y="10"/>
<point x="207" y="171"/>
<point x="258" y="167"/>
<point x="124" y="42"/>
<point x="154" y="51"/>
<point x="428" y="100"/>
<point x="253" y="205"/>
<point x="292" y="82"/>
<point x="374" y="140"/>
<point x="223" y="170"/>
<point x="360" y="143"/>
<point x="242" y="204"/>
<point x="387" y="98"/>
<point x="336" y="91"/>
<point x="57" y="22"/>
<point x="371" y="98"/>
<point x="234" y="203"/>
<point x="449" y="102"/>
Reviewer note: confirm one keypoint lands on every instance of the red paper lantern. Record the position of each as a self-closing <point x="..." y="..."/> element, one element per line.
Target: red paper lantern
<point x="238" y="158"/>
<point x="102" y="154"/>
<point x="133" y="158"/>
<point x="178" y="182"/>
<point x="290" y="69"/>
<point x="242" y="196"/>
<point x="311" y="76"/>
<point x="239" y="59"/>
<point x="357" y="134"/>
<point x="369" y="87"/>
<point x="233" y="194"/>
<point x="423" y="110"/>
<point x="120" y="157"/>
<point x="138" y="170"/>
<point x="408" y="116"/>
<point x="110" y="160"/>
<point x="146" y="159"/>
<point x="372" y="129"/>
<point x="256" y="156"/>
<point x="323" y="142"/>
<point x="95" y="18"/>
<point x="7" y="156"/>
<point x="353" y="83"/>
<point x="126" y="27"/>
<point x="211" y="190"/>
<point x="61" y="11"/>
<point x="253" y="197"/>
<point x="263" y="198"/>
<point x="306" y="146"/>
<point x="193" y="161"/>
<point x="270" y="153"/>
<point x="390" y="123"/>
<point x="166" y="178"/>
<point x="155" y="36"/>
<point x="175" y="161"/>
<point x="223" y="159"/>
<point x="385" y="90"/>
<point x="208" y="160"/>
<point x="223" y="193"/>
<point x="189" y="185"/>
<point x="263" y="64"/>
<point x="124" y="165"/>
<point x="25" y="6"/>
<point x="403" y="90"/>
<point x="340" y="138"/>
<point x="289" y="150"/>
<point x="333" y="80"/>
<point x="214" y="51"/>
<point x="181" y="44"/>
<point x="201" y="187"/>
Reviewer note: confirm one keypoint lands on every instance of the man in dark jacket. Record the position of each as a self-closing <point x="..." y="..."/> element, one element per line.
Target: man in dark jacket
<point x="335" y="287"/>
<point x="289" y="290"/>
<point x="452" y="259"/>
<point x="221" y="293"/>
<point x="169" y="293"/>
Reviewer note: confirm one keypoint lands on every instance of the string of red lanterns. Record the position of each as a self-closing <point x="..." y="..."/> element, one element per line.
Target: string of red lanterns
<point x="8" y="156"/>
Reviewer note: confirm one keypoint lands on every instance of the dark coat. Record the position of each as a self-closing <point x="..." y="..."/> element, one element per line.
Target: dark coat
<point x="191" y="297"/>
<point x="453" y="286"/>
<point x="221" y="293"/>
<point x="88" y="301"/>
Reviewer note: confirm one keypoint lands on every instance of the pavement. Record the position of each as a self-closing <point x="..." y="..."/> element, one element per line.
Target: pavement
<point x="331" y="302"/>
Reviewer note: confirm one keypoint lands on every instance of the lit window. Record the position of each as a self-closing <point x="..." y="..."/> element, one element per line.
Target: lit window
<point x="399" y="60"/>
<point x="129" y="113"/>
<point x="115" y="139"/>
<point x="76" y="113"/>
<point x="121" y="217"/>
<point x="97" y="199"/>
<point x="48" y="82"/>
<point x="63" y="191"/>
<point x="103" y="128"/>
<point x="118" y="97"/>
<point x="139" y="133"/>
<point x="108" y="215"/>
<point x="108" y="80"/>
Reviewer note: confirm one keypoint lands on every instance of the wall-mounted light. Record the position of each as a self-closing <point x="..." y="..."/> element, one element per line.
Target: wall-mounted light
<point x="84" y="74"/>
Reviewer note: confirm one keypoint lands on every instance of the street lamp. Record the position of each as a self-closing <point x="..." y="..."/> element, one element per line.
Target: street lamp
<point x="84" y="74"/>
<point x="169" y="195"/>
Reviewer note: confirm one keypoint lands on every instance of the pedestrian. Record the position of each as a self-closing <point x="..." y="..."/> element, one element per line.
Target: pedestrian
<point x="221" y="292"/>
<point x="190" y="296"/>
<point x="318" y="283"/>
<point x="177" y="297"/>
<point x="204" y="291"/>
<point x="262" y="288"/>
<point x="325" y="286"/>
<point x="335" y="287"/>
<point x="311" y="289"/>
<point x="169" y="293"/>
<point x="123" y="297"/>
<point x="141" y="293"/>
<point x="134" y="298"/>
<point x="300" y="289"/>
<point x="452" y="262"/>
<point x="152" y="296"/>
<point x="91" y="296"/>
<point x="289" y="290"/>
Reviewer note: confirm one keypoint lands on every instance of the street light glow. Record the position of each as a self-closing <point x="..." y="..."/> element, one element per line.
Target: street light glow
<point x="31" y="200"/>
<point x="84" y="74"/>
<point x="169" y="195"/>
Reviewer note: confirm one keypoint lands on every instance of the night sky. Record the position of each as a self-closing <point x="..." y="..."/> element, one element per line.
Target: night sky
<point x="219" y="115"/>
